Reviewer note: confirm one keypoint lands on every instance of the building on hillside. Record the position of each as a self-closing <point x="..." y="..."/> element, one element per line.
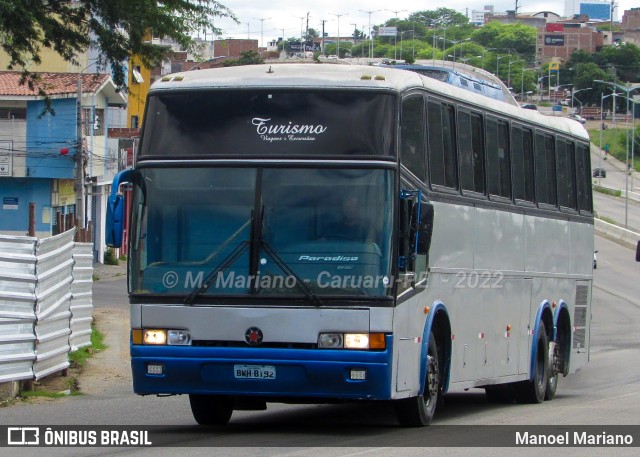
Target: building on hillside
<point x="556" y="42"/>
<point x="39" y="150"/>
<point x="536" y="20"/>
<point x="139" y="77"/>
<point x="631" y="26"/>
<point x="233" y="47"/>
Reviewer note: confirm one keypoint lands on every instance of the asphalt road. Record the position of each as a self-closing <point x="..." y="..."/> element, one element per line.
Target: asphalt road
<point x="606" y="391"/>
<point x="614" y="208"/>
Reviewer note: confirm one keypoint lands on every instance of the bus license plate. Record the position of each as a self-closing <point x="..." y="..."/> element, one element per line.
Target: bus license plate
<point x="254" y="371"/>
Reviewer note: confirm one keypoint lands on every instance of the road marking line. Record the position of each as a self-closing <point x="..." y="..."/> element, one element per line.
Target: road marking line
<point x="614" y="398"/>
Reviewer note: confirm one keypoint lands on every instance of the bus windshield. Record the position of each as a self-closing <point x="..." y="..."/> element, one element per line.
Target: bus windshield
<point x="272" y="123"/>
<point x="211" y="232"/>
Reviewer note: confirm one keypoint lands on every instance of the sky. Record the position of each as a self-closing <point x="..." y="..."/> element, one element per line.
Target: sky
<point x="291" y="15"/>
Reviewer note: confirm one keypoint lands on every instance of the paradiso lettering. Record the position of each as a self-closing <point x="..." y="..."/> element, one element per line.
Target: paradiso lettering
<point x="286" y="132"/>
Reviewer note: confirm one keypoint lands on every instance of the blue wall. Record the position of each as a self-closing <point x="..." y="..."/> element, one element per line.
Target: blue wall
<point x="600" y="11"/>
<point x="26" y="191"/>
<point x="48" y="134"/>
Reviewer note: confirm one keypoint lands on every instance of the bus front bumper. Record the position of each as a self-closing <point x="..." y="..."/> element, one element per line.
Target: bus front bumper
<point x="294" y="373"/>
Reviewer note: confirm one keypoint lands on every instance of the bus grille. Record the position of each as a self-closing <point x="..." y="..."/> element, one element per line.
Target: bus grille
<point x="580" y="316"/>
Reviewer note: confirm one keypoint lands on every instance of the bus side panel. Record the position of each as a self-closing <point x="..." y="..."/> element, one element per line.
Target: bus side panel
<point x="451" y="261"/>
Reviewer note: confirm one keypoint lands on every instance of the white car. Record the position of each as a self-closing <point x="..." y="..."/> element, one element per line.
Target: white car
<point x="578" y="118"/>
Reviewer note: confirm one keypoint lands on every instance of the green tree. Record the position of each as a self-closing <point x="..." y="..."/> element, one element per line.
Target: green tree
<point x="516" y="38"/>
<point x="442" y="17"/>
<point x="625" y="58"/>
<point x="246" y="58"/>
<point x="357" y="35"/>
<point x="312" y="33"/>
<point x="117" y="28"/>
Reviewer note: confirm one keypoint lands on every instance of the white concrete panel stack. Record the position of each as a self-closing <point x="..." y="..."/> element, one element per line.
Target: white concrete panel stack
<point x="81" y="296"/>
<point x="17" y="307"/>
<point x="54" y="265"/>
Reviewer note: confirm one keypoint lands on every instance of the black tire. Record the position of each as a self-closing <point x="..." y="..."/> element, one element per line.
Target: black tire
<point x="419" y="411"/>
<point x="211" y="409"/>
<point x="500" y="394"/>
<point x="534" y="391"/>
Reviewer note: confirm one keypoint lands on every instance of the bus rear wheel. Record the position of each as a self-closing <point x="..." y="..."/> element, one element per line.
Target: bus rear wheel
<point x="211" y="409"/>
<point x="534" y="391"/>
<point x="552" y="381"/>
<point x="419" y="411"/>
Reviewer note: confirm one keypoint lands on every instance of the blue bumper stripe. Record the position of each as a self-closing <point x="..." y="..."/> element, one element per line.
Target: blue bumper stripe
<point x="321" y="374"/>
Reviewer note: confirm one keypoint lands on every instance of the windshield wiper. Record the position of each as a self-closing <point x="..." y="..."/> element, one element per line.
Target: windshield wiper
<point x="223" y="265"/>
<point x="315" y="300"/>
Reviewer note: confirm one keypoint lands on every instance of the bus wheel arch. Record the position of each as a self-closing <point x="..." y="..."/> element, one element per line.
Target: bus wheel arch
<point x="440" y="327"/>
<point x="435" y="364"/>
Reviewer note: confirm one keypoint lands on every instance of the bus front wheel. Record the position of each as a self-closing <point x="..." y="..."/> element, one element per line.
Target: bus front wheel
<point x="419" y="411"/>
<point x="211" y="409"/>
<point x="535" y="390"/>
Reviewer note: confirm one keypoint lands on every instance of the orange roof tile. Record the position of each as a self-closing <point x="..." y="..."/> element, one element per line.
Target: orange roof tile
<point x="52" y="83"/>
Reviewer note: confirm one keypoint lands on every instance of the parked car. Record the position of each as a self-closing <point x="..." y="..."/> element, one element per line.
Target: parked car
<point x="599" y="173"/>
<point x="529" y="106"/>
<point x="577" y="117"/>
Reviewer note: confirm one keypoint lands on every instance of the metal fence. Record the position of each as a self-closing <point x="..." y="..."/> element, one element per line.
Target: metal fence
<point x="45" y="303"/>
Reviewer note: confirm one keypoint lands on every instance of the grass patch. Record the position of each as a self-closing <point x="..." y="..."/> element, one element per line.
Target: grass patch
<point x="608" y="220"/>
<point x="79" y="357"/>
<point x="53" y="386"/>
<point x="605" y="190"/>
<point x="616" y="138"/>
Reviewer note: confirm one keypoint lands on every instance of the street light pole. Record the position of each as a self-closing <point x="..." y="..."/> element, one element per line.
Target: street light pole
<point x="262" y="19"/>
<point x="395" y="38"/>
<point x="370" y="31"/>
<point x="338" y="45"/>
<point x="498" y="64"/>
<point x="573" y="95"/>
<point x="509" y="72"/>
<point x="627" y="89"/>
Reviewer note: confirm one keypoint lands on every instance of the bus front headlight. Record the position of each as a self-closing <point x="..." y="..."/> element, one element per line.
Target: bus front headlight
<point x="374" y="341"/>
<point x="159" y="337"/>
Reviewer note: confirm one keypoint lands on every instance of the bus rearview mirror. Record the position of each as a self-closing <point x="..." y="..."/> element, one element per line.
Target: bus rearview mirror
<point x="424" y="228"/>
<point x="114" y="223"/>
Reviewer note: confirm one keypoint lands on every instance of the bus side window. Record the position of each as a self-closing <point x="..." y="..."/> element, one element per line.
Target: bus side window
<point x="412" y="153"/>
<point x="442" y="145"/>
<point x="498" y="166"/>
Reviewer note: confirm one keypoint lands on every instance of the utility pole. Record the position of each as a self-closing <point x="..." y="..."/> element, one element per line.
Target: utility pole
<point x="80" y="217"/>
<point x="322" y="39"/>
